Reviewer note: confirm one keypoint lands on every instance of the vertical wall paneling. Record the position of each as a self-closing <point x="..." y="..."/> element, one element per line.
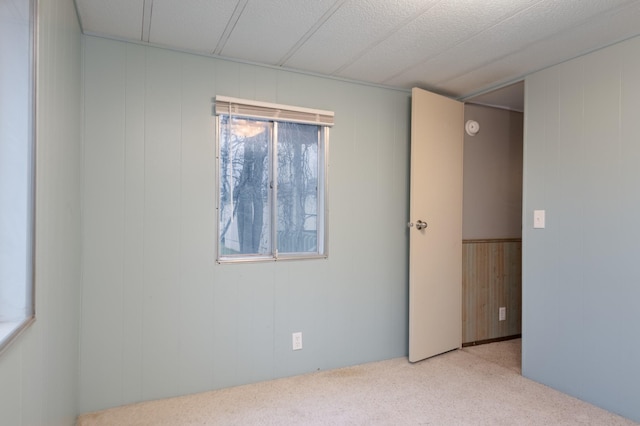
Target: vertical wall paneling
<point x="10" y="381"/>
<point x="398" y="231"/>
<point x="196" y="243"/>
<point x="347" y="232"/>
<point x="103" y="211"/>
<point x="181" y="322"/>
<point x="39" y="371"/>
<point x="227" y="78"/>
<point x="579" y="273"/>
<point x="298" y="302"/>
<point x="162" y="198"/>
<point x="255" y="322"/>
<point x="133" y="227"/>
<point x="572" y="232"/>
<point x="367" y="183"/>
<point x="266" y="85"/>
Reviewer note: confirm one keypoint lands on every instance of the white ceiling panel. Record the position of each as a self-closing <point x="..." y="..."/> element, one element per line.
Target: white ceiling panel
<point x="430" y="35"/>
<point x="194" y="25"/>
<point x="353" y="30"/>
<point x="115" y="18"/>
<point x="455" y="47"/>
<point x="619" y="25"/>
<point x="512" y="35"/>
<point x="267" y="30"/>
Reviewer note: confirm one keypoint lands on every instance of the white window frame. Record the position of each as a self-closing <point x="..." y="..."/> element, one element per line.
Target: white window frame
<point x="21" y="313"/>
<point x="277" y="113"/>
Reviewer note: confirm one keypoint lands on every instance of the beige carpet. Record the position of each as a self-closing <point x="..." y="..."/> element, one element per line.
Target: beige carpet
<point x="474" y="386"/>
<point x="507" y="354"/>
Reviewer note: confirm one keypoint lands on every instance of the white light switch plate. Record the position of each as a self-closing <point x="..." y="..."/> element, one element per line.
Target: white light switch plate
<point x="538" y="219"/>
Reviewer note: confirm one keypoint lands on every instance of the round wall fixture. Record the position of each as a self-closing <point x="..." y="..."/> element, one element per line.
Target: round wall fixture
<point x="472" y="127"/>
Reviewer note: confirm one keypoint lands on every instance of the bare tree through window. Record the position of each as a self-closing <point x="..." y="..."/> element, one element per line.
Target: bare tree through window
<point x="269" y="187"/>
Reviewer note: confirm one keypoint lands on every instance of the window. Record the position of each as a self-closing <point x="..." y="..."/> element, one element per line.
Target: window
<point x="272" y="180"/>
<point x="16" y="167"/>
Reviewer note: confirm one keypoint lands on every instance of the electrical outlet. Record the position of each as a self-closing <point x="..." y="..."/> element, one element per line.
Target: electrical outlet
<point x="297" y="340"/>
<point x="502" y="313"/>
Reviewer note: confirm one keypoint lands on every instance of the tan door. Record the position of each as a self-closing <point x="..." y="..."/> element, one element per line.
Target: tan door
<point x="435" y="234"/>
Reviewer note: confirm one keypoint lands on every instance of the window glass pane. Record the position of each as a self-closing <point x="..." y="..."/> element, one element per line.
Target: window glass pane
<point x="16" y="167"/>
<point x="272" y="184"/>
<point x="244" y="186"/>
<point x="297" y="188"/>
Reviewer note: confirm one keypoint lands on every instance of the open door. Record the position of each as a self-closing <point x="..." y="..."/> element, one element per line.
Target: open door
<point x="435" y="234"/>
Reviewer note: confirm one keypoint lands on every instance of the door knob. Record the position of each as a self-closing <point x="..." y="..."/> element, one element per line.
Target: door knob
<point x="420" y="225"/>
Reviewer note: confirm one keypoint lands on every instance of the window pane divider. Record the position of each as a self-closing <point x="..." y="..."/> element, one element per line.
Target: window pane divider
<point x="274" y="192"/>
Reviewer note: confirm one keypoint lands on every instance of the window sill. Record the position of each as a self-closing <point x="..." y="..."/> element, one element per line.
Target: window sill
<point x="257" y="259"/>
<point x="10" y="330"/>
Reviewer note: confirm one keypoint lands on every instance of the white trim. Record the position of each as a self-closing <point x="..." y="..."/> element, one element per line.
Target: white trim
<point x="225" y="105"/>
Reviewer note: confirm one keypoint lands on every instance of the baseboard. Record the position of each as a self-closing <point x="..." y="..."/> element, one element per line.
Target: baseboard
<point x="497" y="339"/>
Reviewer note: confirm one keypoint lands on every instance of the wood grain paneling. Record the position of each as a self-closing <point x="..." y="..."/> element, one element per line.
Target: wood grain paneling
<point x="491" y="278"/>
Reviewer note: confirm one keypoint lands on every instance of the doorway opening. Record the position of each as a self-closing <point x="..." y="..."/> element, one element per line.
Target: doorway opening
<point x="492" y="216"/>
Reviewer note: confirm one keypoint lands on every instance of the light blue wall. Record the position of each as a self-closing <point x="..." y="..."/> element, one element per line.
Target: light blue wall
<point x="159" y="316"/>
<point x="39" y="371"/>
<point x="581" y="281"/>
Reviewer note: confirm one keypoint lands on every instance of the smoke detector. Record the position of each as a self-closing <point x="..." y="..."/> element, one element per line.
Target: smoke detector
<point x="472" y="127"/>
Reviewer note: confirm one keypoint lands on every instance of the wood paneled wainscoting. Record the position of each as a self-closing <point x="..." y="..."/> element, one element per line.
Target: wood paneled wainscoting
<point x="491" y="278"/>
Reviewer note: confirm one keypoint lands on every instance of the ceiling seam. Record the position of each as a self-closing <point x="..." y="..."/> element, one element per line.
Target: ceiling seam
<point x="75" y="6"/>
<point x="147" y="10"/>
<point x="447" y="49"/>
<point x="595" y="17"/>
<point x="387" y="35"/>
<point x="324" y="18"/>
<point x="231" y="25"/>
